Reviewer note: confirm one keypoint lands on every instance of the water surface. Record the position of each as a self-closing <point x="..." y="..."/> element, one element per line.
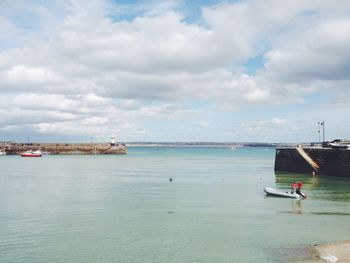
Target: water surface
<point x="124" y="209"/>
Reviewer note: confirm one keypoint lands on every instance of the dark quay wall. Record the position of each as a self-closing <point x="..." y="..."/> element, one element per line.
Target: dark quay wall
<point x="329" y="161"/>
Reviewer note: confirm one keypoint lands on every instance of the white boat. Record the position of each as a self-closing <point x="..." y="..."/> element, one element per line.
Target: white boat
<point x="31" y="153"/>
<point x="2" y="152"/>
<point x="280" y="193"/>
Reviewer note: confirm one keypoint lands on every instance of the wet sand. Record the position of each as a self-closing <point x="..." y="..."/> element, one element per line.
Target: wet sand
<point x="331" y="252"/>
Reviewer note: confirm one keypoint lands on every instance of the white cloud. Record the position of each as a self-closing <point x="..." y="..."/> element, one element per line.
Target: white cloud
<point x="264" y="125"/>
<point x="278" y="121"/>
<point x="204" y="124"/>
<point x="28" y="76"/>
<point x="86" y="70"/>
<point x="319" y="53"/>
<point x="95" y="121"/>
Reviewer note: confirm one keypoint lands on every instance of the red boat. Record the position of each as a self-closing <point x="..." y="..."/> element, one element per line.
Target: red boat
<point x="31" y="153"/>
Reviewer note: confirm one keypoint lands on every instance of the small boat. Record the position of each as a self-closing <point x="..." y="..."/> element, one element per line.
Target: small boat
<point x="279" y="193"/>
<point x="2" y="152"/>
<point x="31" y="153"/>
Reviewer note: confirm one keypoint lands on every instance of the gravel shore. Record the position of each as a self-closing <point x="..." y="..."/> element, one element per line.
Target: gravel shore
<point x="332" y="252"/>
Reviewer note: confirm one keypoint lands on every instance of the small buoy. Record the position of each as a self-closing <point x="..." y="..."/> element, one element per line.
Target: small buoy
<point x="170" y="179"/>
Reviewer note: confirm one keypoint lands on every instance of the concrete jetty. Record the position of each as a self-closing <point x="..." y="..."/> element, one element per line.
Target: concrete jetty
<point x="12" y="148"/>
<point x="322" y="160"/>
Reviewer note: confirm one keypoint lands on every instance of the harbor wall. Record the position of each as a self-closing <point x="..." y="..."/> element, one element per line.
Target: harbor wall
<point x="66" y="148"/>
<point x="331" y="162"/>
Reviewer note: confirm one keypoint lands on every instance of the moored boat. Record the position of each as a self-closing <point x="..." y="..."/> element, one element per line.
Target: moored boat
<point x="280" y="193"/>
<point x="31" y="153"/>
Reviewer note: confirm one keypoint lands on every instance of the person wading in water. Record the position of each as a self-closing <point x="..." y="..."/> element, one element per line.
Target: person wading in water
<point x="298" y="190"/>
<point x="294" y="186"/>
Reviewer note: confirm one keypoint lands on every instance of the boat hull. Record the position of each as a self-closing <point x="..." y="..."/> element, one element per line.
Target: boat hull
<point x="30" y="155"/>
<point x="279" y="193"/>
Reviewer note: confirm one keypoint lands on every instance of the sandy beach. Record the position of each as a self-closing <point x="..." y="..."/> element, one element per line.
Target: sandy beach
<point x="330" y="252"/>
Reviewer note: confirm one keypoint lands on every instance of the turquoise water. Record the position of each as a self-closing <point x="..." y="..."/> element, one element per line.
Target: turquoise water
<point x="124" y="209"/>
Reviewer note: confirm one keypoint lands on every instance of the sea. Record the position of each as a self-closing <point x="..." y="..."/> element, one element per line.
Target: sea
<point x="164" y="204"/>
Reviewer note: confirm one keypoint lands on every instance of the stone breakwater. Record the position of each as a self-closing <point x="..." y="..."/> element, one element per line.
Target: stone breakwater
<point x="327" y="161"/>
<point x="65" y="148"/>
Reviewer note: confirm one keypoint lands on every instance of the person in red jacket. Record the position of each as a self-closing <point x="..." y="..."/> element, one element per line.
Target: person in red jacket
<point x="298" y="190"/>
<point x="294" y="186"/>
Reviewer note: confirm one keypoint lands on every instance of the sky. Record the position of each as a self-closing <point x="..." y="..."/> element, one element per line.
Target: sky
<point x="174" y="70"/>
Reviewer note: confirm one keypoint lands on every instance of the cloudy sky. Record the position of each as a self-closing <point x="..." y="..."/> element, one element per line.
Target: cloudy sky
<point x="174" y="70"/>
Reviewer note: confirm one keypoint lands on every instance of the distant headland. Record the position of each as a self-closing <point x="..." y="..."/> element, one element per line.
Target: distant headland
<point x="209" y="144"/>
<point x="13" y="148"/>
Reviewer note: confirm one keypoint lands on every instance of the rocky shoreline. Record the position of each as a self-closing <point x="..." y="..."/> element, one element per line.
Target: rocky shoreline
<point x="330" y="252"/>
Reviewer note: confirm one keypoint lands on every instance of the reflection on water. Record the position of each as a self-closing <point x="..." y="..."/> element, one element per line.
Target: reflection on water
<point x="331" y="213"/>
<point x="320" y="187"/>
<point x="284" y="179"/>
<point x="296" y="207"/>
<point x="315" y="180"/>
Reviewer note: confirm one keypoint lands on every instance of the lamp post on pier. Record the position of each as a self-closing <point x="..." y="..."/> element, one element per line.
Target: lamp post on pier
<point x="323" y="130"/>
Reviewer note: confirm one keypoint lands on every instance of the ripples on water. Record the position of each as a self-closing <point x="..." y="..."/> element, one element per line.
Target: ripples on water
<point x="124" y="209"/>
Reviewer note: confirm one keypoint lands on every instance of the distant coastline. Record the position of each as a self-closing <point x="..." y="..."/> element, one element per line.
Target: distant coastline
<point x="3" y="144"/>
<point x="209" y="144"/>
